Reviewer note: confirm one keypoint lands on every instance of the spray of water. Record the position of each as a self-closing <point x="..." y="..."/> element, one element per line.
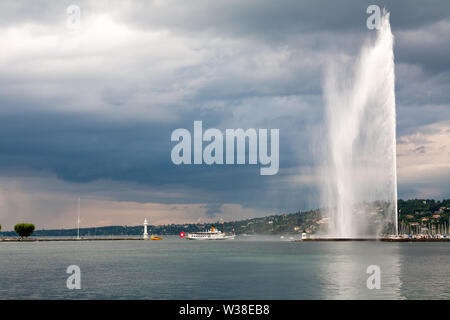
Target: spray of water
<point x="360" y="179"/>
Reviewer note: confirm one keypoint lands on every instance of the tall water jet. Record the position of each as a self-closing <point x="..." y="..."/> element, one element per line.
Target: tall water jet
<point x="360" y="178"/>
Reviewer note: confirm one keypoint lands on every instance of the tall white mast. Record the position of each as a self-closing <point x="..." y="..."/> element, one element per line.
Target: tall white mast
<point x="79" y="205"/>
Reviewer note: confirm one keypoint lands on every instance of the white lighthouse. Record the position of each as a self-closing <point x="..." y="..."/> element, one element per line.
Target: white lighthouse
<point x="145" y="229"/>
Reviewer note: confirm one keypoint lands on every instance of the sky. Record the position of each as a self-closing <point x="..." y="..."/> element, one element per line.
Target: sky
<point x="89" y="112"/>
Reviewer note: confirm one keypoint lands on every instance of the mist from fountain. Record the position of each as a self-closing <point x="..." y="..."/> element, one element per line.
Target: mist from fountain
<point x="360" y="141"/>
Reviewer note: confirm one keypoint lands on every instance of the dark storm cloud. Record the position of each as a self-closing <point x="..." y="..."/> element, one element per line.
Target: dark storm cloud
<point x="104" y="112"/>
<point x="83" y="149"/>
<point x="282" y="23"/>
<point x="268" y="19"/>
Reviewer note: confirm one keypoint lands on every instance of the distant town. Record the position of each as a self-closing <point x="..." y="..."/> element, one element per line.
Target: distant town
<point x="416" y="216"/>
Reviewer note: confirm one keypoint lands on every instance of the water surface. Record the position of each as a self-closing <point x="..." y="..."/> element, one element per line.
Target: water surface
<point x="250" y="268"/>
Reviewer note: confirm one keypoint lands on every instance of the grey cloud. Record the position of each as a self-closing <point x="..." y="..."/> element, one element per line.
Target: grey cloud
<point x="272" y="20"/>
<point x="231" y="64"/>
<point x="213" y="209"/>
<point x="84" y="150"/>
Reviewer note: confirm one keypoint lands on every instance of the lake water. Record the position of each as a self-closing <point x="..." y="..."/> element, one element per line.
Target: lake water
<point x="249" y="268"/>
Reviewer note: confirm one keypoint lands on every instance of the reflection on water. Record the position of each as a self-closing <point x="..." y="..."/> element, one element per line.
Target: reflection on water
<point x="425" y="270"/>
<point x="344" y="271"/>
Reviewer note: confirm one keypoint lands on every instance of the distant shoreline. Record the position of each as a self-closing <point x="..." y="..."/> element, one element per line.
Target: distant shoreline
<point x="65" y="239"/>
<point x="416" y="217"/>
<point x="296" y="240"/>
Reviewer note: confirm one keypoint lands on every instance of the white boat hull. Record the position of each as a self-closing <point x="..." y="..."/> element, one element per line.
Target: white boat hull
<point x="190" y="237"/>
<point x="211" y="234"/>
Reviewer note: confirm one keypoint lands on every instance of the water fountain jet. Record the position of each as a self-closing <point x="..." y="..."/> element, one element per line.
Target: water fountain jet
<point x="360" y="183"/>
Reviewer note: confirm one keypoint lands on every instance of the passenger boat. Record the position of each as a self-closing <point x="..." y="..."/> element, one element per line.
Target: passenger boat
<point x="211" y="234"/>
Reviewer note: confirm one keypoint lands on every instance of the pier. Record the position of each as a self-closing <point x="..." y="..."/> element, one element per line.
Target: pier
<point x="377" y="239"/>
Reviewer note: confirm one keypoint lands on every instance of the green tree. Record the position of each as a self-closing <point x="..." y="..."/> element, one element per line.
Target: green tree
<point x="24" y="229"/>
